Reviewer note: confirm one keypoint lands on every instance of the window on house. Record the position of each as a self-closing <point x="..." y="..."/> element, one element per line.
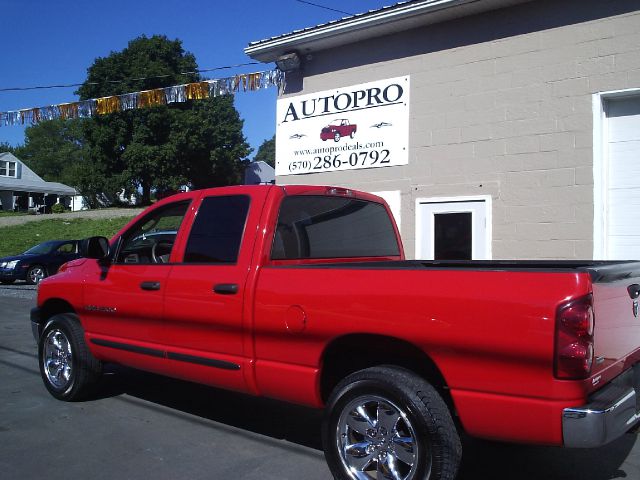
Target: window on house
<point x="453" y="229"/>
<point x="8" y="169"/>
<point x="453" y="236"/>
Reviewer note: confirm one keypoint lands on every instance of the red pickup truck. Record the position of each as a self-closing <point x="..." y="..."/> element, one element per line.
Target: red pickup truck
<point x="303" y="294"/>
<point x="338" y="128"/>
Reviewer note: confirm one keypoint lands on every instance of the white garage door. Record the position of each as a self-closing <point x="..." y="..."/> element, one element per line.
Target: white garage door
<point x="623" y="193"/>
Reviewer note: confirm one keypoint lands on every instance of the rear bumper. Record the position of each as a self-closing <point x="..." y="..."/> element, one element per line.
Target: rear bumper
<point x="610" y="413"/>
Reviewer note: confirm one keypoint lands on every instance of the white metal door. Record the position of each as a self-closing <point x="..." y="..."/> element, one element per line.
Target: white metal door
<point x="623" y="192"/>
<point x="453" y="229"/>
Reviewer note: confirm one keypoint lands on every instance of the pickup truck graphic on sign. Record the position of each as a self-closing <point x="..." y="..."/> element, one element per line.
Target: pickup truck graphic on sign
<point x="338" y="128"/>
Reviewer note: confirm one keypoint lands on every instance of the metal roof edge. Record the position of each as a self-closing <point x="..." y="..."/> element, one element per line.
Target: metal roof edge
<point x="267" y="50"/>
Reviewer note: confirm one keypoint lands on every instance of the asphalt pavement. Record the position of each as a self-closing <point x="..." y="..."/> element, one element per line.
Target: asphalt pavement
<point x="143" y="426"/>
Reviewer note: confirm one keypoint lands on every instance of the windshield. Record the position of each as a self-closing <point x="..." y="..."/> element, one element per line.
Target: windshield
<point x="45" y="247"/>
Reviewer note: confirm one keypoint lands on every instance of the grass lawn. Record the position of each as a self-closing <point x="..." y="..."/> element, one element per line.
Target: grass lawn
<point x="16" y="239"/>
<point x="11" y="214"/>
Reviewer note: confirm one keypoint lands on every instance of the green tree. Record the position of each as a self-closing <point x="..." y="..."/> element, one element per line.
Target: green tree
<point x="196" y="142"/>
<point x="51" y="148"/>
<point x="6" y="147"/>
<point x="207" y="142"/>
<point x="146" y="63"/>
<point x="56" y="150"/>
<point x="267" y="152"/>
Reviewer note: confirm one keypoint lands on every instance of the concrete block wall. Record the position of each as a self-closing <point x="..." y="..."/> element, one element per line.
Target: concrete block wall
<point x="501" y="105"/>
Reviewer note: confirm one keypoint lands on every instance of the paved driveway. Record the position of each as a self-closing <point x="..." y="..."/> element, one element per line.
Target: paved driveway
<point x="98" y="213"/>
<point x="147" y="427"/>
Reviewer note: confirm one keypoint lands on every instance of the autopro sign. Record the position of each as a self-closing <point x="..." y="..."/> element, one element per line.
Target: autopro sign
<point x="361" y="126"/>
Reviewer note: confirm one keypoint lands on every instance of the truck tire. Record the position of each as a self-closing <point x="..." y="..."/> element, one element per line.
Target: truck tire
<point x="387" y="422"/>
<point x="67" y="367"/>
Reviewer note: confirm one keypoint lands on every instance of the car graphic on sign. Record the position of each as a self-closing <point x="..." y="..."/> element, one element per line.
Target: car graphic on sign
<point x="338" y="128"/>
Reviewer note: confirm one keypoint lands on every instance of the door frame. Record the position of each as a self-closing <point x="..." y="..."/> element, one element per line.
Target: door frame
<point x="601" y="168"/>
<point x="421" y="231"/>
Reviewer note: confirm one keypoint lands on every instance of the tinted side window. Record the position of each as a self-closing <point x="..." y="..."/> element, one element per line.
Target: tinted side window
<point x="151" y="239"/>
<point x="331" y="227"/>
<point x="217" y="230"/>
<point x="67" y="248"/>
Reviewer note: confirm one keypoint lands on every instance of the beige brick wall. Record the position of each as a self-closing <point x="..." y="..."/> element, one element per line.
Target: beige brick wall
<point x="501" y="105"/>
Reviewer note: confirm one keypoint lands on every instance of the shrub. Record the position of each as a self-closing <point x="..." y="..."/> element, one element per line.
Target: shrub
<point x="57" y="208"/>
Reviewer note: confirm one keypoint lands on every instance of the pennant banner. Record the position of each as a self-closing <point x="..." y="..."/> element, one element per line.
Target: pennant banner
<point x="148" y="98"/>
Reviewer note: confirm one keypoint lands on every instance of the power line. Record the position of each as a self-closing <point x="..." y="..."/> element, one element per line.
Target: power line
<point x="326" y="8"/>
<point x="38" y="87"/>
<point x="69" y="85"/>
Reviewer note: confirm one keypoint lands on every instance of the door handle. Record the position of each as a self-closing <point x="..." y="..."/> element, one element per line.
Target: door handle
<point x="226" y="288"/>
<point x="150" y="285"/>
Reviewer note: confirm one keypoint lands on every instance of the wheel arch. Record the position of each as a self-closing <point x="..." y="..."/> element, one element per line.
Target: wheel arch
<point x="412" y="410"/>
<point x="54" y="306"/>
<point x="350" y="353"/>
<point x="70" y="376"/>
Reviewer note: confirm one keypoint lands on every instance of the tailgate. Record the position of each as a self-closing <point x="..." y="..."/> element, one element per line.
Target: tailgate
<point x="616" y="290"/>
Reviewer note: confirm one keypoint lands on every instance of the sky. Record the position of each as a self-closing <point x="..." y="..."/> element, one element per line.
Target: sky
<point x="48" y="42"/>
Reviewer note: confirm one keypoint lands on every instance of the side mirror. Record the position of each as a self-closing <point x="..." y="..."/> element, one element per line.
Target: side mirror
<point x="95" y="247"/>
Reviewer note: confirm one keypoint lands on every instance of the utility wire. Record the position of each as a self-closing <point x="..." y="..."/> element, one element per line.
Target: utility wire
<point x="326" y="8"/>
<point x="69" y="85"/>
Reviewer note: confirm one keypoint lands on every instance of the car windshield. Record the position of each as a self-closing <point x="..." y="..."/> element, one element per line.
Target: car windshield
<point x="45" y="247"/>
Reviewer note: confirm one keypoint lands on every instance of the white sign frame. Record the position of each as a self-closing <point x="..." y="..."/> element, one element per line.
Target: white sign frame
<point x="349" y="128"/>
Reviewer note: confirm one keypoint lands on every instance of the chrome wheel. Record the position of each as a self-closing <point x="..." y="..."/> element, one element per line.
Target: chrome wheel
<point x="375" y="440"/>
<point x="57" y="359"/>
<point x="36" y="274"/>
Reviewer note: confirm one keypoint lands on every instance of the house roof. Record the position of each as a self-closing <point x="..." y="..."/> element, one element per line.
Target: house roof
<point x="53" y="188"/>
<point x="29" y="181"/>
<point x="375" y="23"/>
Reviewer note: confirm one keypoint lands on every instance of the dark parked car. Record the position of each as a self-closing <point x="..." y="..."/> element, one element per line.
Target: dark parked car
<point x="38" y="262"/>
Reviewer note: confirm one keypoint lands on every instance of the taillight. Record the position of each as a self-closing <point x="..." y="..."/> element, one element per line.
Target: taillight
<point x="574" y="339"/>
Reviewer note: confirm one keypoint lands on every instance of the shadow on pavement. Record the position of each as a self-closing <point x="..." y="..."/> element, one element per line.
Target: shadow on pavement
<point x="300" y="425"/>
<point x="500" y="461"/>
<point x="267" y="417"/>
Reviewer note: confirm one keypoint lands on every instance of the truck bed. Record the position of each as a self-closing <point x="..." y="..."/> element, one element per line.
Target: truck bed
<point x="489" y="326"/>
<point x="600" y="270"/>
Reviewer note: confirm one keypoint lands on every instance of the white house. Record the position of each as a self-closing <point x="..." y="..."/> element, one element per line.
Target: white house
<point x="22" y="189"/>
